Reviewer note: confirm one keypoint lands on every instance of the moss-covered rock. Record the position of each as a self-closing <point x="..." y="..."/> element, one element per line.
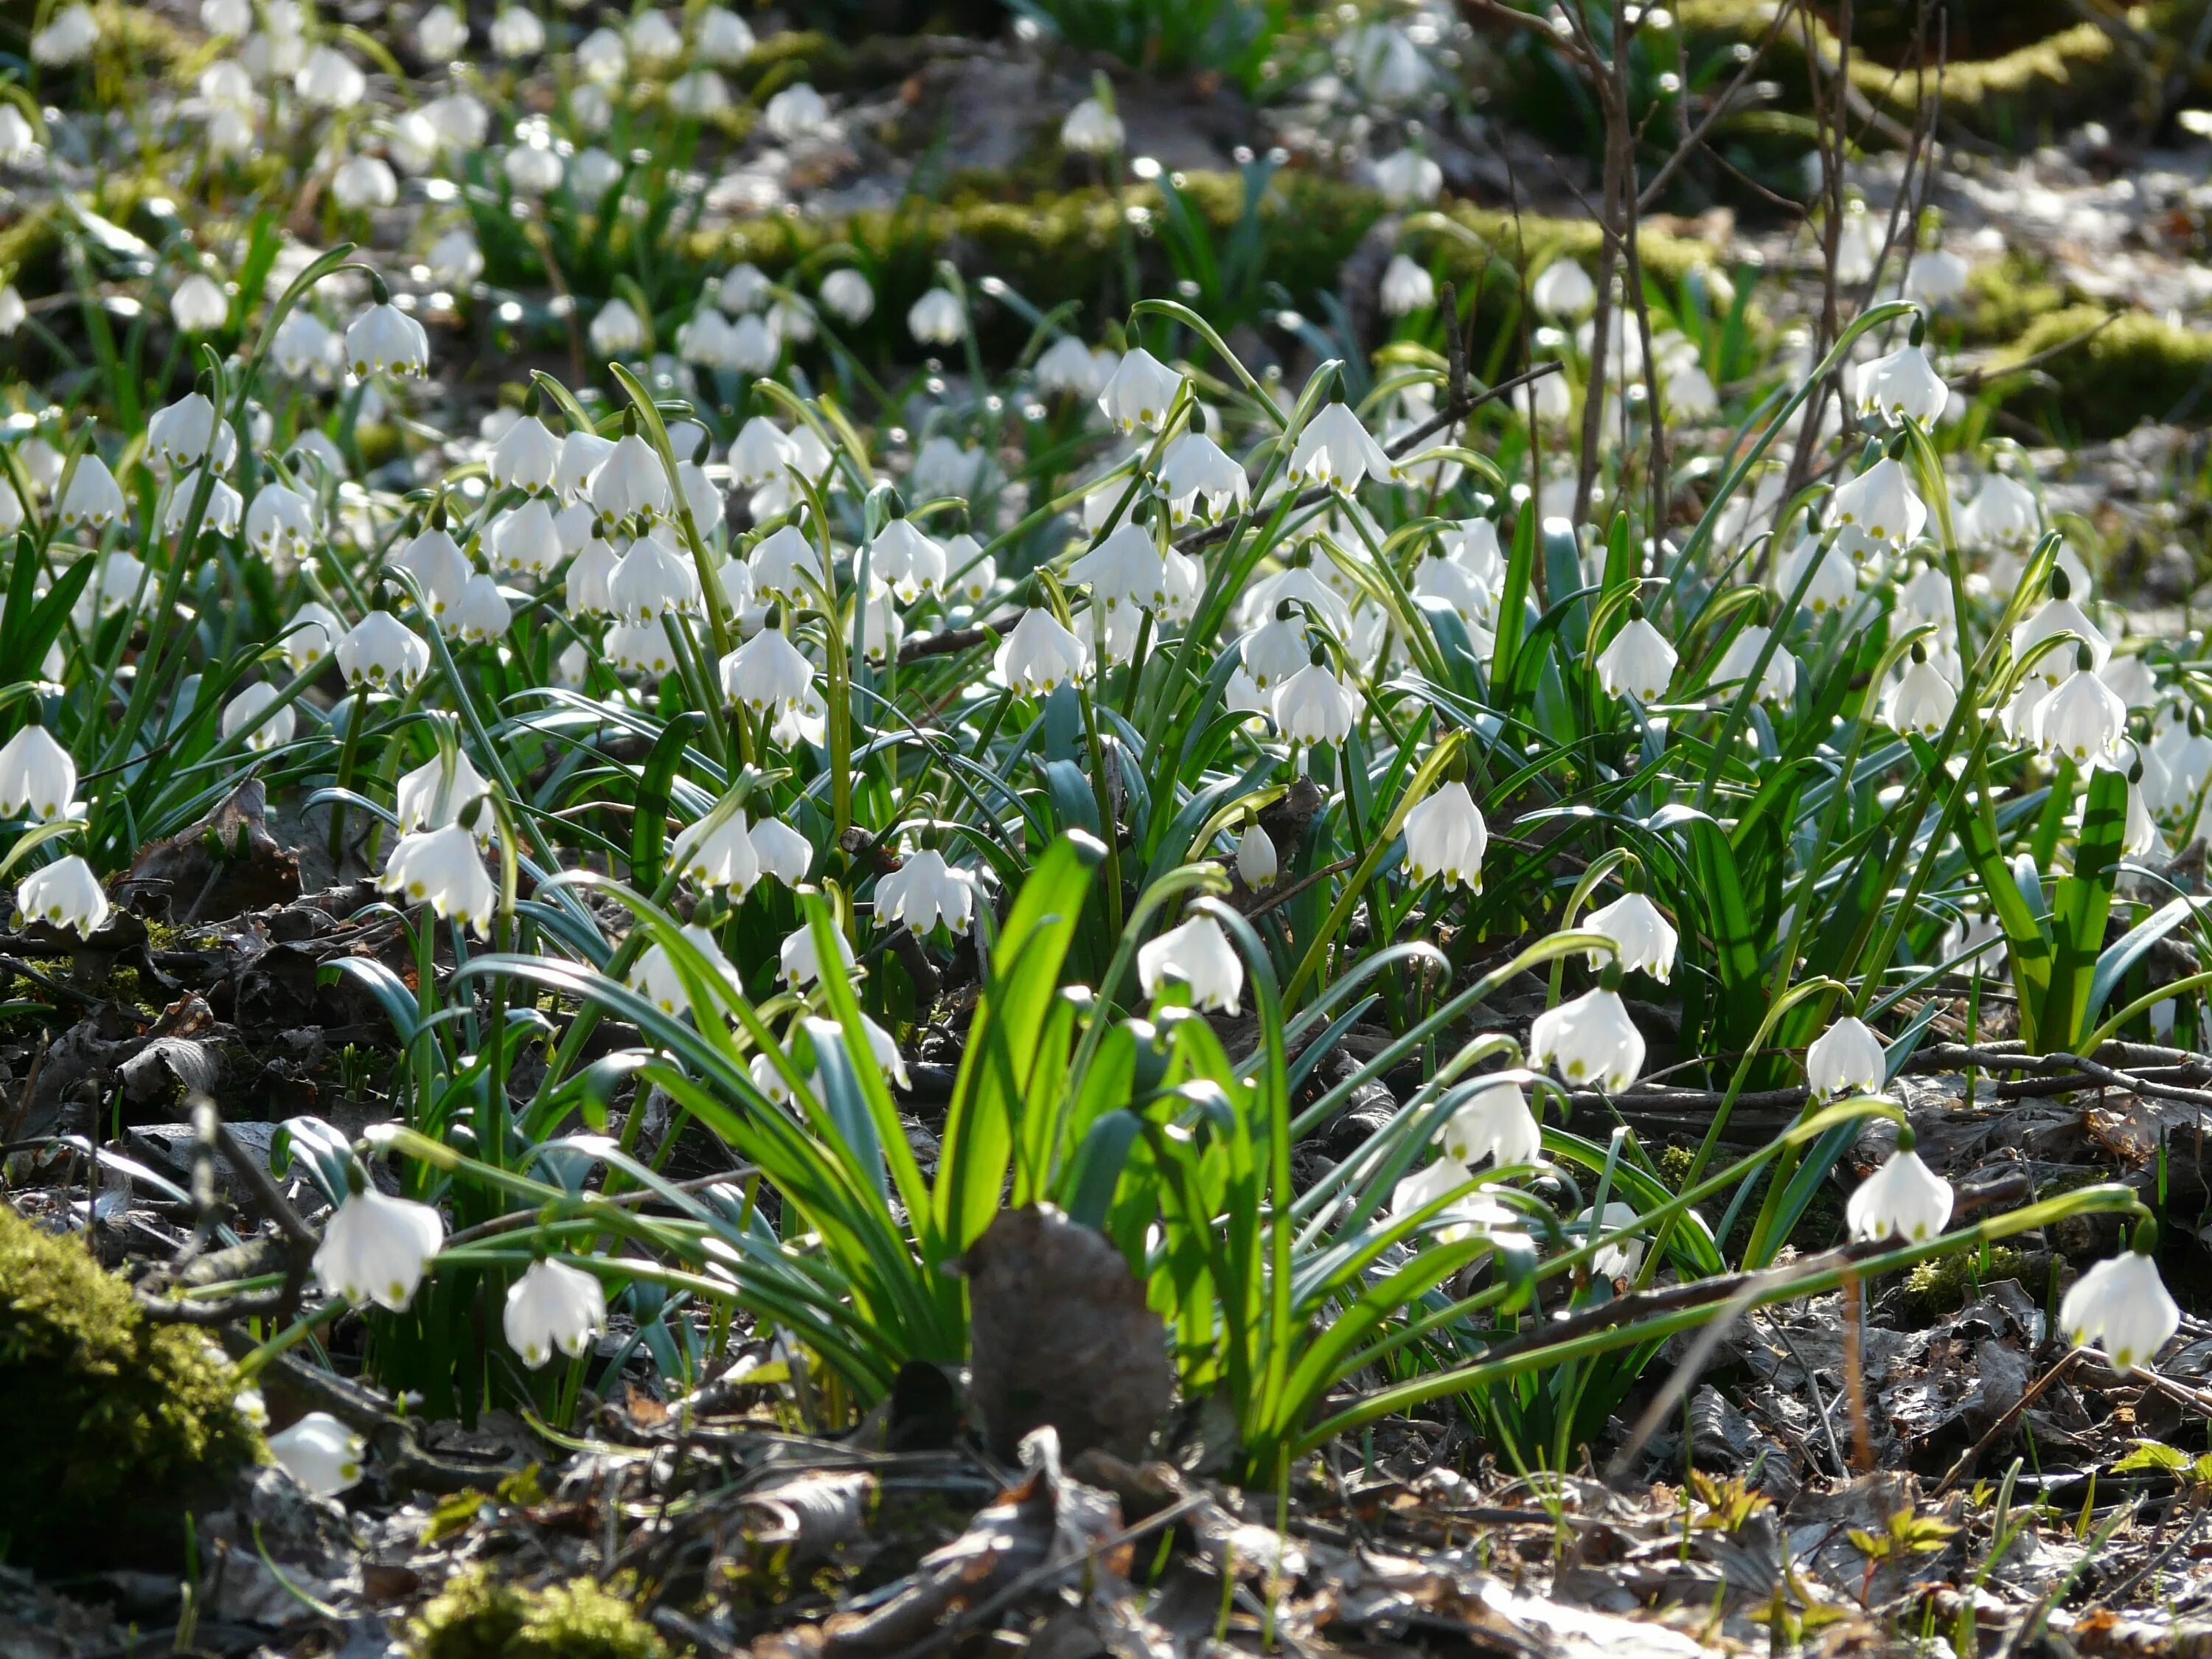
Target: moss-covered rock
<point x="2112" y="375"/>
<point x="112" y="1429"/>
<point x="477" y="1618"/>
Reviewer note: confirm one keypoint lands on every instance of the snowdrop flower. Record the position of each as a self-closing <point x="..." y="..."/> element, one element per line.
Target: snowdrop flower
<point x="1200" y="954"/>
<point x="434" y="559"/>
<point x="327" y="79"/>
<point x="906" y="559"/>
<point x="653" y="581"/>
<point x="602" y="56"/>
<point x="1564" y="289"/>
<point x="435" y="794"/>
<point x="1140" y="393"/>
<point x="219" y="516"/>
<point x="1313" y="705"/>
<point x="1845" y="1059"/>
<point x="1126" y="569"/>
<point x="2122" y="1306"/>
<point x="767" y="674"/>
<point x="534" y="169"/>
<point x="1591" y="1039"/>
<point x="1446" y="837"/>
<point x="617" y="331"/>
<point x="481" y="613"/>
<point x="1276" y="649"/>
<point x="722" y="857"/>
<point x="281" y="523"/>
<point x="1068" y="366"/>
<point x="1902" y="386"/>
<point x="724" y="37"/>
<point x="199" y="306"/>
<point x="441" y="33"/>
<point x="783" y="853"/>
<point x="1196" y="470"/>
<point x="785" y="564"/>
<point x="657" y="978"/>
<point x="1091" y="129"/>
<point x="69" y="38"/>
<point x="1877" y="511"/>
<point x="2131" y="679"/>
<point x="652" y="39"/>
<point x="1835" y="583"/>
<point x="19" y="142"/>
<point x="1407" y="287"/>
<point x="1040" y="656"/>
<point x="305" y="347"/>
<point x="1639" y="662"/>
<point x="798" y="963"/>
<point x="1903" y="1200"/>
<point x="1922" y="701"/>
<point x="1448" y="583"/>
<point x="517" y="33"/>
<point x="363" y="183"/>
<point x="2082" y="720"/>
<point x="760" y="452"/>
<point x="454" y="258"/>
<point x="309" y="636"/>
<point x="630" y="483"/>
<point x="847" y="296"/>
<point x="975" y="573"/>
<point x="937" y="319"/>
<point x="384" y="339"/>
<point x="1645" y="937"/>
<point x="2056" y="618"/>
<point x="186" y="433"/>
<point x="1464" y="1218"/>
<point x="2003" y="516"/>
<point x="641" y="648"/>
<point x="1937" y="278"/>
<point x="798" y="112"/>
<point x="926" y="891"/>
<point x="319" y="1452"/>
<point x="64" y="894"/>
<point x="377" y="1248"/>
<point x="94" y="499"/>
<point x="1777" y="684"/>
<point x="1408" y="179"/>
<point x="442" y="868"/>
<point x="1256" y="863"/>
<point x="38" y="777"/>
<point x="1619" y="1260"/>
<point x="251" y="713"/>
<point x="1335" y="449"/>
<point x="1495" y="1123"/>
<point x="554" y="1306"/>
<point x="591" y="575"/>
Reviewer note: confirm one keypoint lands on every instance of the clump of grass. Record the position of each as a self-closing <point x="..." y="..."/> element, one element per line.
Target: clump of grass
<point x="477" y="1618"/>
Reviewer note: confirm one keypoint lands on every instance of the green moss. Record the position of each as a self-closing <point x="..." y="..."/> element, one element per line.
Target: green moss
<point x="2132" y="368"/>
<point x="112" y="1429"/>
<point x="475" y="1617"/>
<point x="1946" y="1284"/>
<point x="2006" y="296"/>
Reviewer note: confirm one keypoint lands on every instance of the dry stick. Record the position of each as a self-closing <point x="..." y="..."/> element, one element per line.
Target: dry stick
<point x="1694" y="138"/>
<point x="1855" y="1367"/>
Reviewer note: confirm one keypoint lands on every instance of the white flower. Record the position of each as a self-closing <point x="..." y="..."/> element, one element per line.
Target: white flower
<point x="767" y="674"/>
<point x="1639" y="662"/>
<point x="94" y="499"/>
<point x="553" y="1305"/>
<point x="797" y="112"/>
<point x="1877" y="511"/>
<point x="441" y="33"/>
<point x="1256" y="862"/>
<point x="924" y="892"/>
<point x="37" y="778"/>
<point x="1091" y="129"/>
<point x="308" y="637"/>
<point x="1619" y="1260"/>
<point x="1462" y="1217"/>
<point x="2122" y="1307"/>
<point x="655" y="975"/>
<point x="1407" y="287"/>
<point x="653" y="581"/>
<point x="2057" y="618"/>
<point x="306" y="348"/>
<point x="2002" y="517"/>
<point x="527" y="457"/>
<point x="723" y="856"/>
<point x="187" y="432"/>
<point x="364" y="182"/>
<point x="481" y="613"/>
<point x="1040" y="656"/>
<point x="617" y="330"/>
<point x="1922" y="701"/>
<point x="2083" y="719"/>
<point x="434" y="793"/>
<point x="780" y="559"/>
<point x="2131" y="680"/>
<point x="534" y="169"/>
<point x="1646" y="939"/>
<point x="1902" y="386"/>
<point x="652" y="39"/>
<point x="517" y="33"/>
<point x="1451" y="584"/>
<point x="1563" y="289"/>
<point x="1937" y="278"/>
<point x="1903" y="1200"/>
<point x="69" y="38"/>
<point x="13" y="311"/>
<point x="527" y="540"/>
<point x="384" y="339"/>
<point x="798" y="963"/>
<point x="328" y="79"/>
<point x="846" y="293"/>
<point x="1067" y="365"/>
<point x="251" y="713"/>
<point x="1835" y="583"/>
<point x="906" y="559"/>
<point x="1446" y="837"/>
<point x="1494" y="1123"/>
<point x="630" y="481"/>
<point x="724" y="37"/>
<point x="281" y="523"/>
<point x="377" y="1248"/>
<point x="1408" y="177"/>
<point x="1589" y="1039"/>
<point x="1200" y="954"/>
<point x="1126" y="569"/>
<point x="220" y="515"/>
<point x="199" y="306"/>
<point x="1195" y="468"/>
<point x="1777" y="684"/>
<point x="64" y="894"/>
<point x="1313" y="706"/>
<point x="1335" y="449"/>
<point x="1139" y="391"/>
<point x="1845" y="1059"/>
<point x="783" y="853"/>
<point x="19" y="142"/>
<point x="320" y="1453"/>
<point x="434" y="559"/>
<point x="937" y="319"/>
<point x="442" y="868"/>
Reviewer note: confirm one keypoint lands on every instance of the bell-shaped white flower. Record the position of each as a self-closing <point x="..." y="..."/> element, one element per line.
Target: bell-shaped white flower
<point x="783" y="853"/>
<point x="907" y="560"/>
<point x="1777" y="684"/>
<point x="93" y="500"/>
<point x="1040" y="656"/>
<point x="253" y="713"/>
<point x="1408" y="179"/>
<point x="2058" y="619"/>
<point x="386" y="340"/>
<point x="64" y="894"/>
<point x="1621" y="1258"/>
<point x="1590" y="1039"/>
<point x="1336" y="449"/>
<point x="938" y="318"/>
<point x="328" y="79"/>
<point x="1563" y="289"/>
<point x="554" y="1306"/>
<point x="1845" y="1059"/>
<point x="656" y="978"/>
<point x="1446" y="837"/>
<point x="1091" y="129"/>
<point x="377" y="1248"/>
<point x="2082" y="720"/>
<point x="786" y="564"/>
<point x="1494" y="1123"/>
<point x="69" y="38"/>
<point x="220" y="514"/>
<point x="38" y="777"/>
<point x="1197" y="472"/>
<point x="760" y="452"/>
<point x="924" y="892"/>
<point x="616" y="329"/>
<point x="310" y="637"/>
<point x="1198" y="953"/>
<point x="1451" y="584"/>
<point x="516" y="31"/>
<point x="436" y="562"/>
<point x="527" y="541"/>
<point x="1876" y="512"/>
<point x="1468" y="1216"/>
<point x="1937" y="278"/>
<point x="1646" y="941"/>
<point x="1140" y="393"/>
<point x="630" y="481"/>
<point x="1256" y="861"/>
<point x="798" y="962"/>
<point x="1313" y="705"/>
<point x="767" y="674"/>
<point x="1834" y="582"/>
<point x="1067" y="366"/>
<point x="1902" y="386"/>
<point x="281" y="522"/>
<point x="653" y="581"/>
<point x="483" y="613"/>
<point x="443" y="869"/>
<point x="1407" y="287"/>
<point x="320" y="1453"/>
<point x="1276" y="649"/>
<point x="1903" y="1200"/>
<point x="527" y="457"/>
<point x="797" y="112"/>
<point x="847" y="296"/>
<point x="1125" y="569"/>
<point x="1922" y="701"/>
<point x="435" y="794"/>
<point x="1639" y="662"/>
<point x="186" y="433"/>
<point x="2003" y="516"/>
<point x="2122" y="1306"/>
<point x="364" y="183"/>
<point x="721" y="856"/>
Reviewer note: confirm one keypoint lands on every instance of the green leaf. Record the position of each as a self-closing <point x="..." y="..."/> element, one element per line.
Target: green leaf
<point x="2078" y="910"/>
<point x="649" y="831"/>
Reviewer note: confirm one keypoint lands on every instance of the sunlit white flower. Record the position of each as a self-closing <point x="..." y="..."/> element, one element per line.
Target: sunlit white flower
<point x="617" y="331"/>
<point x="2003" y="516"/>
<point x="1256" y="861"/>
<point x="328" y="79"/>
<point x="1834" y="581"/>
<point x="1495" y="1123"/>
<point x="1876" y="512"/>
<point x="64" y="894"/>
<point x="1069" y="366"/>
<point x="1193" y="469"/>
<point x="2122" y="1306"/>
<point x="1563" y="289"/>
<point x="767" y="674"/>
<point x="281" y="523"/>
<point x="68" y="39"/>
<point x="2131" y="680"/>
<point x="1589" y="1039"/>
<point x="310" y="637"/>
<point x="800" y="964"/>
<point x="434" y="559"/>
<point x="1313" y="705"/>
<point x="2058" y="619"/>
<point x="364" y="182"/>
<point x="1407" y="287"/>
<point x="1091" y="129"/>
<point x="653" y="581"/>
<point x="1447" y="582"/>
<point x="783" y="853"/>
<point x="553" y="1305"/>
<point x="846" y="294"/>
<point x="1903" y="1200"/>
<point x="924" y="892"/>
<point x="187" y="432"/>
<point x="1140" y="393"/>
<point x="1040" y="656"/>
<point x="1408" y="179"/>
<point x="1639" y="662"/>
<point x="94" y="499"/>
<point x="199" y="306"/>
<point x="629" y="482"/>
<point x="1124" y="569"/>
<point x="938" y="318"/>
<point x="443" y="869"/>
<point x="797" y="112"/>
<point x="1199" y="954"/>
<point x="1620" y="1259"/>
<point x="1336" y="449"/>
<point x="1845" y="1059"/>
<point x="1902" y="386"/>
<point x="320" y="1453"/>
<point x="724" y="37"/>
<point x="19" y="140"/>
<point x="1937" y="278"/>
<point x="722" y="856"/>
<point x="1446" y="837"/>
<point x="254" y="713"/>
<point x="2082" y="720"/>
<point x="38" y="777"/>
<point x="220" y="514"/>
<point x="377" y="1248"/>
<point x="481" y="614"/>
<point x="435" y="794"/>
<point x="656" y="977"/>
<point x="909" y="560"/>
<point x="384" y="339"/>
<point x="1646" y="941"/>
<point x="517" y="33"/>
<point x="1466" y="1216"/>
<point x="1922" y="700"/>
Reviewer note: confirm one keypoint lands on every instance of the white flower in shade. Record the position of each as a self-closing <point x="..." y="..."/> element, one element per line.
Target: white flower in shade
<point x="974" y="573"/>
<point x="760" y="452"/>
<point x="1835" y="581"/>
<point x="1620" y="1259"/>
<point x="1462" y="1218"/>
<point x="184" y="433"/>
<point x="199" y="306"/>
<point x="1902" y="386"/>
<point x="937" y="319"/>
<point x="797" y="112"/>
<point x="434" y="794"/>
<point x="724" y="38"/>
<point x="377" y="1248"/>
<point x="1563" y="289"/>
<point x="2003" y="516"/>
<point x="1335" y="449"/>
<point x="1140" y="393"/>
<point x="19" y="140"/>
<point x="37" y="778"/>
<point x="1777" y="684"/>
<point x="1124" y="569"/>
<point x="306" y="348"/>
<point x="69" y="38"/>
<point x="602" y="56"/>
<point x="93" y="499"/>
<point x="1407" y="287"/>
<point x="783" y="853"/>
<point x="1876" y="512"/>
<point x="1196" y="469"/>
<point x="1408" y="179"/>
<point x="1313" y="705"/>
<point x="582" y="455"/>
<point x="1646" y="941"/>
<point x="1091" y="129"/>
<point x="798" y="964"/>
<point x="1927" y="596"/>
<point x="1200" y="954"/>
<point x="1903" y="1200"/>
<point x="617" y="331"/>
<point x="1276" y="649"/>
<point x="1639" y="662"/>
<point x="1452" y="585"/>
<point x="481" y="614"/>
<point x="443" y="869"/>
<point x="1495" y="1123"/>
<point x="722" y="856"/>
<point x="2082" y="720"/>
<point x="534" y="169"/>
<point x="909" y="561"/>
<point x="641" y="648"/>
<point x="527" y="457"/>
<point x="1845" y="1059"/>
<point x="1446" y="837"/>
<point x="1040" y="656"/>
<point x="281" y="523"/>
<point x="656" y="978"/>
<point x="64" y="894"/>
<point x="926" y="891"/>
<point x="2122" y="1307"/>
<point x="252" y="712"/>
<point x="1922" y="700"/>
<point x="630" y="481"/>
<point x="554" y="1306"/>
<point x="2058" y="619"/>
<point x="220" y="515"/>
<point x="379" y="651"/>
<point x="590" y="576"/>
<point x="1067" y="366"/>
<point x="847" y="296"/>
<point x="363" y="183"/>
<point x="1590" y="1040"/>
<point x="1256" y="862"/>
<point x="320" y="1453"/>
<point x="309" y="636"/>
<point x="767" y="674"/>
<point x="384" y="339"/>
